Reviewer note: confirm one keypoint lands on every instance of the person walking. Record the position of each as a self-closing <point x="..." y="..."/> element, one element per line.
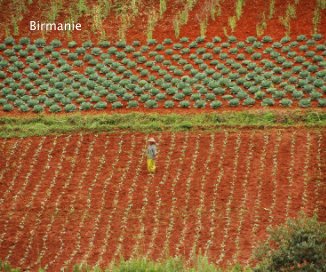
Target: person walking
<point x="151" y="155"/>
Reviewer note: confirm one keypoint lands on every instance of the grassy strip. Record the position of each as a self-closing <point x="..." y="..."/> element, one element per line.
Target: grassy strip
<point x="169" y="264"/>
<point x="176" y="264"/>
<point x="72" y="123"/>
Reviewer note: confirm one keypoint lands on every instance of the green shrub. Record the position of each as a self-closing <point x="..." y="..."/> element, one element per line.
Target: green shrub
<point x="55" y="55"/>
<point x="311" y="42"/>
<point x="249" y="50"/>
<point x="40" y="42"/>
<point x="195" y="96"/>
<point x="103" y="105"/>
<point x="249" y="101"/>
<point x="285" y="102"/>
<point x="23" y="108"/>
<point x="141" y="59"/>
<point x="2" y="47"/>
<point x="7" y="107"/>
<point x="267" y="102"/>
<point x="48" y="49"/>
<point x="260" y="95"/>
<point x="209" y="45"/>
<point x="278" y="94"/>
<point x="216" y="39"/>
<point x="55" y="43"/>
<point x="144" y="97"/>
<point x="207" y="56"/>
<point x="318" y="83"/>
<point x="87" y="44"/>
<point x="72" y="56"/>
<point x="95" y="98"/>
<point x="216" y="104"/>
<point x="242" y="95"/>
<point x="185" y="51"/>
<point x="23" y="53"/>
<point x="257" y="44"/>
<point x="150" y="103"/>
<point x="72" y="44"/>
<point x="65" y="100"/>
<point x="85" y="106"/>
<point x="223" y="56"/>
<point x="55" y="108"/>
<point x="184" y="104"/>
<point x="314" y="95"/>
<point x="9" y="41"/>
<point x="24" y="41"/>
<point x="299" y="59"/>
<point x="41" y="98"/>
<point x="251" y="39"/>
<point x="210" y="97"/>
<point x="286" y="49"/>
<point x="200" y="103"/>
<point x="49" y="102"/>
<point x="177" y="46"/>
<point x="169" y="52"/>
<point x="219" y="91"/>
<point x="240" y="57"/>
<point x="317" y="36"/>
<point x="104" y="44"/>
<point x="38" y="109"/>
<point x="132" y="104"/>
<point x="8" y="94"/>
<point x="80" y="50"/>
<point x="9" y="52"/>
<point x="308" y="88"/>
<point x="3" y="101"/>
<point x="31" y="48"/>
<point x="168" y="104"/>
<point x="178" y="96"/>
<point x="297" y="245"/>
<point x="121" y="44"/>
<point x="322" y="102"/>
<point x="3" y="64"/>
<point x="127" y="97"/>
<point x="78" y="63"/>
<point x="17" y="76"/>
<point x="267" y="39"/>
<point x="234" y="102"/>
<point x="70" y="108"/>
<point x="160" y="96"/>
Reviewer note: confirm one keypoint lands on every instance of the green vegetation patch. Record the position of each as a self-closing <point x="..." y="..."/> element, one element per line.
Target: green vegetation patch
<point x="76" y="122"/>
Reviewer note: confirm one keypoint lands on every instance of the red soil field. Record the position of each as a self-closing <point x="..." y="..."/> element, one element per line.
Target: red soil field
<point x="253" y="13"/>
<point x="88" y="198"/>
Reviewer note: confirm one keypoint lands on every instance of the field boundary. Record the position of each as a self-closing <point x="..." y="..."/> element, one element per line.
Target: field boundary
<point x="42" y="125"/>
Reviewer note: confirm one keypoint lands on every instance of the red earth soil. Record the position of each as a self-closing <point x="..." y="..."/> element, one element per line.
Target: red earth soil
<point x="252" y="14"/>
<point x="88" y="198"/>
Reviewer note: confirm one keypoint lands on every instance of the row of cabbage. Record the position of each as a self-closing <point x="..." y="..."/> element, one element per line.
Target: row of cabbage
<point x="39" y="76"/>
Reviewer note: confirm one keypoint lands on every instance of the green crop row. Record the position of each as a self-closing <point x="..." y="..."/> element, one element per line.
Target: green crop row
<point x="47" y="77"/>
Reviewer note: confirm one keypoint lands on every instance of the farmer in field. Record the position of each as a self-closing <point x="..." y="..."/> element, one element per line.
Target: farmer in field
<point x="151" y="155"/>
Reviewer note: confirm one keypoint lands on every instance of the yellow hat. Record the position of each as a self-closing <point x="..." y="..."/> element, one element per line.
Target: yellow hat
<point x="151" y="140"/>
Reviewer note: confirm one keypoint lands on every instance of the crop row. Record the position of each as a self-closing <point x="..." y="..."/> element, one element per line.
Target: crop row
<point x="46" y="77"/>
<point x="83" y="198"/>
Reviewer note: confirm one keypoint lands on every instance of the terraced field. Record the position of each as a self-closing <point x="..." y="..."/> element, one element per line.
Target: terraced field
<point x="233" y="91"/>
<point x="88" y="198"/>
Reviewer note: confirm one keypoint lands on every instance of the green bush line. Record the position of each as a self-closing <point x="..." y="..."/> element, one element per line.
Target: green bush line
<point x="141" y="122"/>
